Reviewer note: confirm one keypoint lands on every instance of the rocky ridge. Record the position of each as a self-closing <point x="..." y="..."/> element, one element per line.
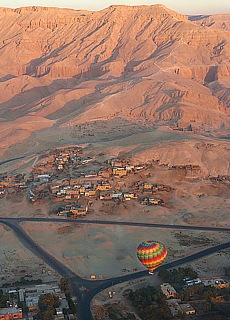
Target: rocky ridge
<point x="62" y="67"/>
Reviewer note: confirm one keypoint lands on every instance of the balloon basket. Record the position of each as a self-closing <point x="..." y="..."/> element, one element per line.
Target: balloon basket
<point x="151" y="272"/>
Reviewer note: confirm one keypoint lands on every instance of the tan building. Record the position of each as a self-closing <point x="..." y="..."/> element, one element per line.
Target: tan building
<point x="103" y="187"/>
<point x="173" y="306"/>
<point x="186" y="308"/>
<point x="90" y="193"/>
<point x="129" y="168"/>
<point x="116" y="163"/>
<point x="74" y="182"/>
<point x="215" y="282"/>
<point x="105" y="195"/>
<point x="168" y="290"/>
<point x="82" y="190"/>
<point x="104" y="174"/>
<point x="54" y="189"/>
<point x="177" y="308"/>
<point x="129" y="195"/>
<point x="147" y="186"/>
<point x="119" y="171"/>
<point x="79" y="211"/>
<point x="74" y="194"/>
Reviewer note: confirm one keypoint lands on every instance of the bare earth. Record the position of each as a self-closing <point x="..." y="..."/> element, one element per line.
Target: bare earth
<point x="16" y="261"/>
<point x="111" y="251"/>
<point x="66" y="74"/>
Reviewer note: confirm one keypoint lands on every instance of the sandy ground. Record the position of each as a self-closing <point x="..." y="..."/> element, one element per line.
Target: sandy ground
<point x="18" y="206"/>
<point x="16" y="261"/>
<point x="111" y="250"/>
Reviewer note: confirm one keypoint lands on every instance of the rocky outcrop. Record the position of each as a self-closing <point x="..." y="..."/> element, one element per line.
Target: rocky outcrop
<point x="221" y="21"/>
<point x="144" y="63"/>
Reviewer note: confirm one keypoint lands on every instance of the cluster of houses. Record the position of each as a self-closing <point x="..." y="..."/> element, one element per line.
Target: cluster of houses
<point x="100" y="189"/>
<point x="186" y="167"/>
<point x="176" y="306"/>
<point x="18" y="182"/>
<point x="225" y="179"/>
<point x="30" y="296"/>
<point x="61" y="159"/>
<point x="83" y="191"/>
<point x="63" y="175"/>
<point x="151" y="201"/>
<point x="73" y="211"/>
<point x="216" y="282"/>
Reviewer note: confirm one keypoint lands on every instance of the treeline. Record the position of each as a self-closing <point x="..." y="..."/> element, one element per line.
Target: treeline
<point x="3" y="299"/>
<point x="65" y="286"/>
<point x="22" y="282"/>
<point x="227" y="272"/>
<point x="149" y="303"/>
<point x="47" y="304"/>
<point x="175" y="276"/>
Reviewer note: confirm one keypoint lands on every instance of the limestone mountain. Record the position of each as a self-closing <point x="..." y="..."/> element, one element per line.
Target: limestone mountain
<point x="60" y="68"/>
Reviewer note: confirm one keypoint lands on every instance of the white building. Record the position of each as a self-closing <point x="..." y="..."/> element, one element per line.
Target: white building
<point x="31" y="294"/>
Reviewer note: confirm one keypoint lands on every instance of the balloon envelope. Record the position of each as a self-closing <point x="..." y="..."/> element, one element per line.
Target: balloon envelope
<point x="151" y="254"/>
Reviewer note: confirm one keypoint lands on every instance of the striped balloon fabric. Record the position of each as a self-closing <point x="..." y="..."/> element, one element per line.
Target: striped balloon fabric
<point x="151" y="254"/>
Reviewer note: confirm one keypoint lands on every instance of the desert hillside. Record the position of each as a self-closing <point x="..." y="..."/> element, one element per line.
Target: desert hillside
<point x="146" y="65"/>
<point x="221" y="21"/>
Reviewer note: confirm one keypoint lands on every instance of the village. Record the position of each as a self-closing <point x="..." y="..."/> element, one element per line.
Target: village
<point x="70" y="182"/>
<point x="191" y="298"/>
<point x="27" y="301"/>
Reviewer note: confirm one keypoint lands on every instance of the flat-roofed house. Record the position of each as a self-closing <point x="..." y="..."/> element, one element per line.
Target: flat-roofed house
<point x="168" y="290"/>
<point x="10" y="313"/>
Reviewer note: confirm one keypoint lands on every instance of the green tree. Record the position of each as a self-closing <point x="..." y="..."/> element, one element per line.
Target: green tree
<point x="150" y="303"/>
<point x="3" y="299"/>
<point x="47" y="304"/>
<point x="45" y="315"/>
<point x="65" y="285"/>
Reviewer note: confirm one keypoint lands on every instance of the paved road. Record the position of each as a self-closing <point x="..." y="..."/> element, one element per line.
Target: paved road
<point x="64" y="271"/>
<point x="12" y="159"/>
<point x="83" y="299"/>
<point x="120" y="223"/>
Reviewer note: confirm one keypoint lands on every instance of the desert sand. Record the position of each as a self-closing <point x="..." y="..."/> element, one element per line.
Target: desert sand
<point x="16" y="261"/>
<point x="111" y="251"/>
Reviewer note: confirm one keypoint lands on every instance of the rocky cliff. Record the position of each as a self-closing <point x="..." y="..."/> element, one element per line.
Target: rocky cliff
<point x="66" y="67"/>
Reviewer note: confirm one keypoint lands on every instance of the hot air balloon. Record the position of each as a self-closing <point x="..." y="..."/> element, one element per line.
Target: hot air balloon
<point x="151" y="254"/>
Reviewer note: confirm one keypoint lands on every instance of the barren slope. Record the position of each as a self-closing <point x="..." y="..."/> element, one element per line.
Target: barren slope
<point x="216" y="21"/>
<point x="60" y="68"/>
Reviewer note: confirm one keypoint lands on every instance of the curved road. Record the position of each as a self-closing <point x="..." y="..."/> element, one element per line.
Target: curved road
<point x="95" y="286"/>
<point x="12" y="159"/>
